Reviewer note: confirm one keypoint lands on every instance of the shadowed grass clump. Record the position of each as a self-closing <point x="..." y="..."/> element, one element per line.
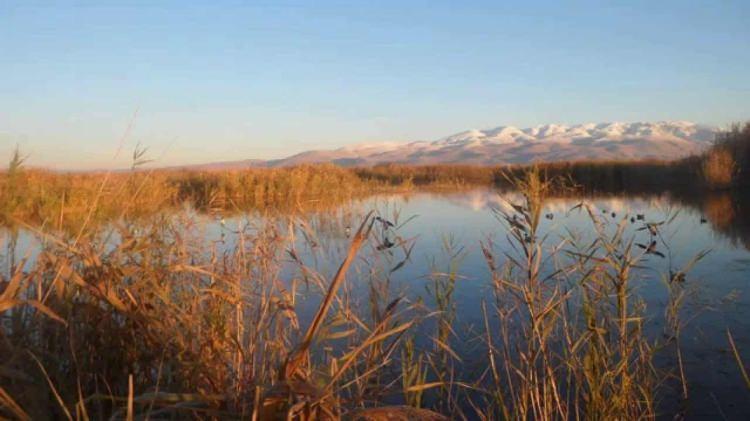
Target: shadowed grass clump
<point x="432" y="176"/>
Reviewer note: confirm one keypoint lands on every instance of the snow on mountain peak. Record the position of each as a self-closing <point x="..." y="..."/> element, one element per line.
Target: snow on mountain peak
<point x="498" y="135"/>
<point x="613" y="131"/>
<point x="372" y="145"/>
<point x="508" y="144"/>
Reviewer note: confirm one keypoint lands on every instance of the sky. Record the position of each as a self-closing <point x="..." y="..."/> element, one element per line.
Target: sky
<point x="82" y="83"/>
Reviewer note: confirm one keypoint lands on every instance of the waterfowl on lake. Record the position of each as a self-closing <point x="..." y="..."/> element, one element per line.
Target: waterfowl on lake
<point x="677" y="276"/>
<point x="549" y="216"/>
<point x="386" y="223"/>
<point x="387" y="243"/>
<point x="651" y="248"/>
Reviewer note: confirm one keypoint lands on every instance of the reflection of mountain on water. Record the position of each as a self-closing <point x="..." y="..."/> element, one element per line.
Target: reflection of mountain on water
<point x="489" y="199"/>
<point x="479" y="200"/>
<point x="728" y="213"/>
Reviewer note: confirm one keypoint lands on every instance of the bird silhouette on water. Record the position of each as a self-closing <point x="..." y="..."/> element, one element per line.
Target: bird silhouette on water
<point x="386" y="223"/>
<point x="386" y="244"/>
<point x="651" y="248"/>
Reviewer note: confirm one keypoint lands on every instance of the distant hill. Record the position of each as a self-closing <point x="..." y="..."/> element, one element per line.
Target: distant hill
<point x="223" y="165"/>
<point x="506" y="144"/>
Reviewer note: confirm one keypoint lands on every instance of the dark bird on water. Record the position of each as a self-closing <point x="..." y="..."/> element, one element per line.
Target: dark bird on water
<point x="386" y="223"/>
<point x="703" y="220"/>
<point x="549" y="216"/>
<point x="640" y="217"/>
<point x="651" y="248"/>
<point x="387" y="243"/>
<point x="677" y="276"/>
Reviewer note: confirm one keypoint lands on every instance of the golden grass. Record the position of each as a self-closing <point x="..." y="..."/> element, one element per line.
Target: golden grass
<point x="65" y="199"/>
<point x="571" y="342"/>
<point x="159" y="324"/>
<point x="719" y="168"/>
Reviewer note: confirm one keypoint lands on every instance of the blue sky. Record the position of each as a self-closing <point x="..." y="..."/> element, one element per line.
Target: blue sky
<point x="214" y="81"/>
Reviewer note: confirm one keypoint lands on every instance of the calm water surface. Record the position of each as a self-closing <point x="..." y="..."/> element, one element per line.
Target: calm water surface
<point x="454" y="224"/>
<point x="718" y="285"/>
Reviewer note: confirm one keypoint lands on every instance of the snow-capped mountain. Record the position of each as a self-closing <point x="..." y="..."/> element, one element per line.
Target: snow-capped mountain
<point x="556" y="133"/>
<point x="507" y="144"/>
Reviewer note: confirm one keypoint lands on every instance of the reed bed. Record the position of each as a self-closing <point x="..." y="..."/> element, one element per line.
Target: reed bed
<point x="159" y="326"/>
<point x="143" y="318"/>
<point x="65" y="198"/>
<point x="727" y="163"/>
<point x="571" y="341"/>
<point x="124" y="310"/>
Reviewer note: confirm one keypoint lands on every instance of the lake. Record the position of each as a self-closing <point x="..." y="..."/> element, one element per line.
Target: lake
<point x="424" y="237"/>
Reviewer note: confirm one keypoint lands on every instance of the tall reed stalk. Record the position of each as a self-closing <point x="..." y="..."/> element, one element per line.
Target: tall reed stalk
<point x="152" y="316"/>
<point x="566" y="338"/>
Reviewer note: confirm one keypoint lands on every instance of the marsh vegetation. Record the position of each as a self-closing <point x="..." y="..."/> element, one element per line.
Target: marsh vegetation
<point x="269" y="294"/>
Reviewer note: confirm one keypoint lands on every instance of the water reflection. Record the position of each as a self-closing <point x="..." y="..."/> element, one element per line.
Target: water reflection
<point x="719" y="222"/>
<point x="727" y="213"/>
<point x="717" y="296"/>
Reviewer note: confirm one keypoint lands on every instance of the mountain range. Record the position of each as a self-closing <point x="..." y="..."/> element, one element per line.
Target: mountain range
<point x="510" y="145"/>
